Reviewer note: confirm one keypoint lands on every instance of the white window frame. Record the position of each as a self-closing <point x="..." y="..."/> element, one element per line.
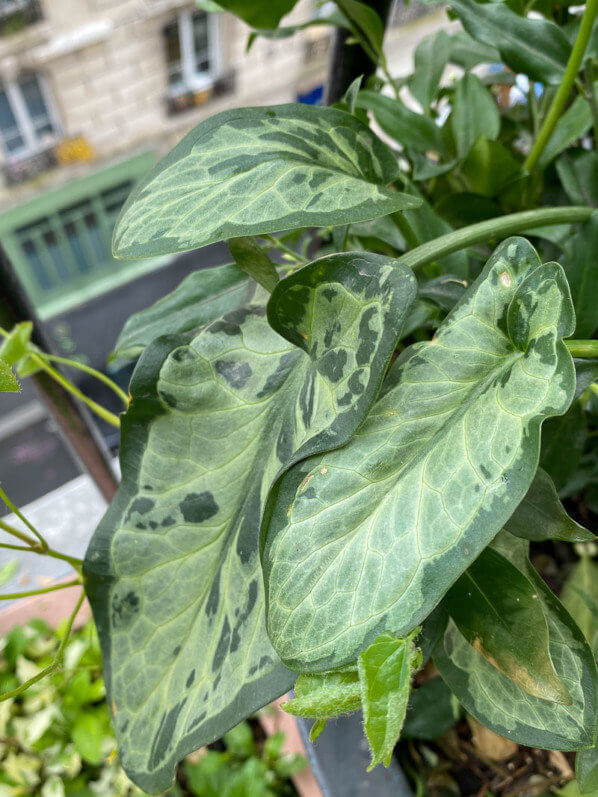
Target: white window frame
<point x="32" y="143"/>
<point x="192" y="79"/>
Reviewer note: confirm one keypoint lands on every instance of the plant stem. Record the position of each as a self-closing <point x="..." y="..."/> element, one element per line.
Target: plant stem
<point x="503" y="226"/>
<point x="103" y="413"/>
<point x="564" y="90"/>
<point x="56" y="664"/>
<point x="29" y="593"/>
<point x="89" y="370"/>
<point x="20" y="535"/>
<point x="33" y="546"/>
<point x="277" y="244"/>
<point x="582" y="348"/>
<point x="16" y="511"/>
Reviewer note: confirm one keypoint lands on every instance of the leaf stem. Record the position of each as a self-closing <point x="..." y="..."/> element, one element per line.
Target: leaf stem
<point x="103" y="413"/>
<point x="31" y="592"/>
<point x="276" y="243"/>
<point x="493" y="228"/>
<point x="15" y="532"/>
<point x="582" y="348"/>
<point x="56" y="664"/>
<point x="590" y="94"/>
<point x="89" y="370"/>
<point x="564" y="90"/>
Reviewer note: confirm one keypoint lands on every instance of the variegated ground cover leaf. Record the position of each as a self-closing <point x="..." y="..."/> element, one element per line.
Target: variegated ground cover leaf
<point x="367" y="539"/>
<point x="503" y="706"/>
<point x="260" y="170"/>
<point x="173" y="572"/>
<point x="200" y="298"/>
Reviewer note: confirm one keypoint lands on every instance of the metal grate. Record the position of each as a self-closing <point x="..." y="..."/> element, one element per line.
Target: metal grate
<point x="73" y="242"/>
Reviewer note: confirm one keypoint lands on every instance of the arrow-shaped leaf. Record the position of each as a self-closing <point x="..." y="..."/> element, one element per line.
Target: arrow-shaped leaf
<point x="173" y="572"/>
<point x="440" y="464"/>
<point x="260" y="170"/>
<point x="497" y="610"/>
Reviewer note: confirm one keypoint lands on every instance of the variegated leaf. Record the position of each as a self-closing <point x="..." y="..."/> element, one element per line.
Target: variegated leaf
<point x="367" y="539"/>
<point x="259" y="170"/>
<point x="504" y="707"/>
<point x="173" y="572"/>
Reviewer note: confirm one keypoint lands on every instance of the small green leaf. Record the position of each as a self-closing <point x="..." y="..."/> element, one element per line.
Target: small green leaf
<point x="579" y="595"/>
<point x="366" y="20"/>
<point x="489" y="168"/>
<point x="475" y="114"/>
<point x="578" y="171"/>
<point x="239" y="741"/>
<point x="499" y="704"/>
<point x="252" y="259"/>
<point x="8" y="381"/>
<point x="260" y="170"/>
<point x="466" y="52"/>
<point x="16" y="344"/>
<point x="430" y="58"/>
<point x="200" y="298"/>
<point x="324" y="695"/>
<point x="385" y="670"/>
<point x="317" y="728"/>
<point x="541" y="515"/>
<point x="432" y="711"/>
<point x="408" y="128"/>
<point x="496" y="608"/>
<point x="441" y="462"/>
<point x="537" y="47"/>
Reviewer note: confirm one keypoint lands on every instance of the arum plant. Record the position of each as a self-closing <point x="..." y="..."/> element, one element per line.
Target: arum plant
<point x="333" y="467"/>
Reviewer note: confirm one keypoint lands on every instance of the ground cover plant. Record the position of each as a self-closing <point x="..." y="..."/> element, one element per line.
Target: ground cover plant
<point x="334" y="464"/>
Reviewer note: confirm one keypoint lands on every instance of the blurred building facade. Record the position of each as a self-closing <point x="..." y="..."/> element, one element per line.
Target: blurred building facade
<point x="91" y="92"/>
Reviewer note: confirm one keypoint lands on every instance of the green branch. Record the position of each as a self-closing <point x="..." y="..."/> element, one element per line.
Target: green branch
<point x="29" y="593"/>
<point x="582" y="348"/>
<point x="92" y="371"/>
<point x="494" y="228"/>
<point x="564" y="90"/>
<point x="56" y="664"/>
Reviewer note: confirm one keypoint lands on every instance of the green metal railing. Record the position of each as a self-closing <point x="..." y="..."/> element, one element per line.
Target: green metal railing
<point x="59" y="243"/>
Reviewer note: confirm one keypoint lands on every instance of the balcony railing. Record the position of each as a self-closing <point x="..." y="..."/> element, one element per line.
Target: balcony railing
<point x="15" y="15"/>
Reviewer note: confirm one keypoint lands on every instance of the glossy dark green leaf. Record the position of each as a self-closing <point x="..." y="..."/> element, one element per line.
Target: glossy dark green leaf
<point x="579" y="175"/>
<point x="586" y="372"/>
<point x="385" y="670"/>
<point x="325" y="695"/>
<point x="391" y="520"/>
<point x="254" y="12"/>
<point x="586" y="770"/>
<point x="251" y="258"/>
<point x="173" y="573"/>
<point x="496" y="608"/>
<point x="8" y="381"/>
<point x="572" y="125"/>
<point x="502" y="706"/>
<point x="541" y="515"/>
<point x="200" y="298"/>
<point x="259" y="170"/>
<point x="490" y="167"/>
<point x="467" y="52"/>
<point x="367" y="21"/>
<point x="408" y="128"/>
<point x="429" y="60"/>
<point x="536" y="47"/>
<point x="563" y="440"/>
<point x="475" y="114"/>
<point x="432" y="711"/>
<point x="582" y="273"/>
<point x="580" y="598"/>
<point x="445" y="291"/>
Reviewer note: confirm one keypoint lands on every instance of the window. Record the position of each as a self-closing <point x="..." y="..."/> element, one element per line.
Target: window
<point x="26" y="120"/>
<point x="190" y="56"/>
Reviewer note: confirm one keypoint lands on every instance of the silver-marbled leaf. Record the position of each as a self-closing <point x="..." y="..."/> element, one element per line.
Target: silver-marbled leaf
<point x="173" y="572"/>
<point x="259" y="170"/>
<point x="390" y="521"/>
